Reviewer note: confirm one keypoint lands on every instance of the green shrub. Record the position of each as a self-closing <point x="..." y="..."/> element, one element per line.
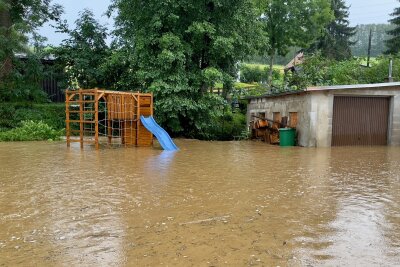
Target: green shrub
<point x="228" y="126"/>
<point x="379" y="71"/>
<point x="257" y="74"/>
<point x="12" y="114"/>
<point x="31" y="131"/>
<point x="319" y="71"/>
<point x="24" y="83"/>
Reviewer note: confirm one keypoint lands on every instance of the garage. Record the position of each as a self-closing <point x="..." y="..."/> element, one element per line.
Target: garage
<point x="360" y="121"/>
<point x="338" y="115"/>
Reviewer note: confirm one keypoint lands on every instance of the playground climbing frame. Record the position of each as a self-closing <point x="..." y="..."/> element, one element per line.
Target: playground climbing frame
<point x="103" y="117"/>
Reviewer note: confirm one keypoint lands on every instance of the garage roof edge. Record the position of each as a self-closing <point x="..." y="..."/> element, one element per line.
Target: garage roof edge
<point x="327" y="88"/>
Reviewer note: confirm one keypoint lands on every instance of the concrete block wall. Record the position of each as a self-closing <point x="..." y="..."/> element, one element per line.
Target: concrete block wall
<point x="299" y="103"/>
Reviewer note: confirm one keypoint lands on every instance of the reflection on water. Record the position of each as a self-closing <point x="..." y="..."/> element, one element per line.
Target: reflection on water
<point x="209" y="204"/>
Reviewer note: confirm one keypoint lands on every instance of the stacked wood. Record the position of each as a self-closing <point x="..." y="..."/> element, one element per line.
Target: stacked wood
<point x="268" y="130"/>
<point x="274" y="134"/>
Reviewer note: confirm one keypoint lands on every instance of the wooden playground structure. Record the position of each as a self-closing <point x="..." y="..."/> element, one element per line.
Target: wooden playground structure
<point x="96" y="116"/>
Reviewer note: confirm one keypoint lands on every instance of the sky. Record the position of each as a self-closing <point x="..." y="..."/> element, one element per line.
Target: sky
<point x="361" y="12"/>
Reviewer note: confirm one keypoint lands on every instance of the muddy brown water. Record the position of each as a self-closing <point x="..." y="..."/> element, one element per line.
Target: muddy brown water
<point x="209" y="204"/>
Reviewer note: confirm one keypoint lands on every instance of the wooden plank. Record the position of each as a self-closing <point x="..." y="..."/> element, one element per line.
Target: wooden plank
<point x="138" y="131"/>
<point x="79" y="121"/>
<point x="81" y="117"/>
<point x="96" y="122"/>
<point x="67" y="126"/>
<point x="84" y="112"/>
<point x="82" y="101"/>
<point x="293" y="119"/>
<point x="99" y="96"/>
<point x="145" y="101"/>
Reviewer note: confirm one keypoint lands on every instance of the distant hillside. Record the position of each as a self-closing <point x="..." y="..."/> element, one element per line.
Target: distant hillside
<point x="360" y="49"/>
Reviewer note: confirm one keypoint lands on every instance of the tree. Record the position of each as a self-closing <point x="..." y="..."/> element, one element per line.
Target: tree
<point x="336" y="43"/>
<point x="18" y="18"/>
<point x="291" y="23"/>
<point x="393" y="44"/>
<point x="181" y="48"/>
<point x="84" y="52"/>
<point x="360" y="39"/>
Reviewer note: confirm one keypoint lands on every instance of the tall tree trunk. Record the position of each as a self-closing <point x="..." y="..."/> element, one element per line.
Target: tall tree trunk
<point x="271" y="66"/>
<point x="5" y="32"/>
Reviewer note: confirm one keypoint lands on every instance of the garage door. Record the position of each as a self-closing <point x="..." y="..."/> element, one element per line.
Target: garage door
<point x="360" y="121"/>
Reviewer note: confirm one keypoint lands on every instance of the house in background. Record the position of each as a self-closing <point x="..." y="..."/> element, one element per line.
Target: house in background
<point x="295" y="62"/>
<point x="347" y="115"/>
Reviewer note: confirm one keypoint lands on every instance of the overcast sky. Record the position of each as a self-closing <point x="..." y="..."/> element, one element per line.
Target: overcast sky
<point x="361" y="12"/>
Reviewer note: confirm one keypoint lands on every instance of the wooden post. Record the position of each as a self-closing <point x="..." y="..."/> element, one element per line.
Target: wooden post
<point x="81" y="118"/>
<point x="122" y="118"/>
<point x="138" y="121"/>
<point x="67" y="126"/>
<point x="151" y="112"/>
<point x="108" y="99"/>
<point x="96" y="120"/>
<point x="369" y="47"/>
<point x="109" y="133"/>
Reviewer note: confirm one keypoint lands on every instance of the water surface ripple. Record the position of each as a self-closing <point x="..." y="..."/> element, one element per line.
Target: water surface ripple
<point x="209" y="204"/>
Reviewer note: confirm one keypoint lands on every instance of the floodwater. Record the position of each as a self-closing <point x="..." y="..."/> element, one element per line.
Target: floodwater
<point x="209" y="204"/>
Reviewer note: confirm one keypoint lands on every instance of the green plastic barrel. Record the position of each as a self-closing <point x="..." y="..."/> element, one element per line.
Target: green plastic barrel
<point x="287" y="136"/>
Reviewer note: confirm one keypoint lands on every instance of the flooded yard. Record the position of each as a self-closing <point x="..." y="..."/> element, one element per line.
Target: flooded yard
<point x="209" y="204"/>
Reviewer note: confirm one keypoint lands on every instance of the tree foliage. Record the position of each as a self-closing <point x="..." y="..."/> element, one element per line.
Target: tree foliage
<point x="336" y="43"/>
<point x="393" y="44"/>
<point x="18" y="18"/>
<point x="182" y="47"/>
<point x="21" y="77"/>
<point x="291" y="23"/>
<point x="319" y="71"/>
<point x="84" y="52"/>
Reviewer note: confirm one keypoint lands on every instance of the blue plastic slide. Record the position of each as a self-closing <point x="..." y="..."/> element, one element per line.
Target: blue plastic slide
<point x="161" y="135"/>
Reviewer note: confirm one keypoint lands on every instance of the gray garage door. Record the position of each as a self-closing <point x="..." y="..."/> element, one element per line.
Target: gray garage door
<point x="360" y="121"/>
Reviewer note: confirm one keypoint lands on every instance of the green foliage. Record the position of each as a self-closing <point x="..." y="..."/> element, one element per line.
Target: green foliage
<point x="393" y="44"/>
<point x="20" y="78"/>
<point x="181" y="49"/>
<point x="379" y="71"/>
<point x="255" y="73"/>
<point x="18" y="19"/>
<point x="292" y="23"/>
<point x="278" y="60"/>
<point x="12" y="114"/>
<point x="84" y="52"/>
<point x="118" y="71"/>
<point x="228" y="126"/>
<point x="319" y="71"/>
<point x="335" y="43"/>
<point x="24" y="83"/>
<point x="31" y="131"/>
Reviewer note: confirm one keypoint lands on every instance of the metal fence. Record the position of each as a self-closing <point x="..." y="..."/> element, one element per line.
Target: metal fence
<point x="51" y="86"/>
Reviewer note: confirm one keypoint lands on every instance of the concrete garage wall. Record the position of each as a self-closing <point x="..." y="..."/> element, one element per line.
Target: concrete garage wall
<point x="321" y="115"/>
<point x="315" y="110"/>
<point x="300" y="103"/>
